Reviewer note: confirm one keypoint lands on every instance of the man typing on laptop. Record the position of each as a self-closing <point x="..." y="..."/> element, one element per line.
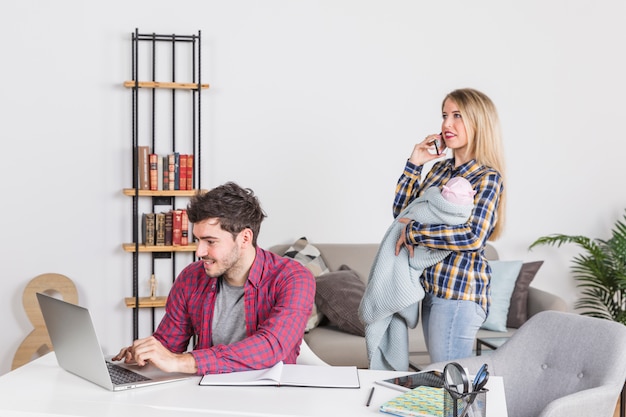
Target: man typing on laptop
<point x="247" y="306"/>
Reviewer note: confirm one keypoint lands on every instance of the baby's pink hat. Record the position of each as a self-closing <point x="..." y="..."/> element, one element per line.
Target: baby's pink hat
<point x="458" y="191"/>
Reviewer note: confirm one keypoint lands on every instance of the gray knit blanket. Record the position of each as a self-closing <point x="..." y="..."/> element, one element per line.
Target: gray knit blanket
<point x="393" y="292"/>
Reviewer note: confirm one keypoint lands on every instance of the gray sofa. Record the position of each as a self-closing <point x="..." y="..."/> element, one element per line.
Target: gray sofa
<point x="337" y="347"/>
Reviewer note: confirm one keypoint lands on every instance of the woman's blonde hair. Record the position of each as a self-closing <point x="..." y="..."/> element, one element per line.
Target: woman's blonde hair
<point x="484" y="138"/>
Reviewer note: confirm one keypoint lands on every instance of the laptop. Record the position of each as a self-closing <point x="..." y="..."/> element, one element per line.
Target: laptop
<point x="78" y="350"/>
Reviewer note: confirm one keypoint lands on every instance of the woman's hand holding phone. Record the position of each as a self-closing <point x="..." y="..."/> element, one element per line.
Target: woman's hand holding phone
<point x="423" y="151"/>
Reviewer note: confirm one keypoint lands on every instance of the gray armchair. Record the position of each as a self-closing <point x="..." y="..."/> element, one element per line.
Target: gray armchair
<point x="559" y="365"/>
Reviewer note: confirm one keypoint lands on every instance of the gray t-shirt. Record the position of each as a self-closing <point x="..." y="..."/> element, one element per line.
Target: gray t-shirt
<point x="229" y="323"/>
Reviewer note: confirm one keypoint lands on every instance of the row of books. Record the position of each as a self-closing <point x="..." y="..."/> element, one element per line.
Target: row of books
<point x="165" y="229"/>
<point x="164" y="172"/>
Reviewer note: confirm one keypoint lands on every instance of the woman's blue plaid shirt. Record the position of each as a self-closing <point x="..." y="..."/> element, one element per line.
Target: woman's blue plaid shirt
<point x="465" y="273"/>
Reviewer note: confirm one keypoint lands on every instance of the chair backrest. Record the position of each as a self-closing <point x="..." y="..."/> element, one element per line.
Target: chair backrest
<point x="555" y="354"/>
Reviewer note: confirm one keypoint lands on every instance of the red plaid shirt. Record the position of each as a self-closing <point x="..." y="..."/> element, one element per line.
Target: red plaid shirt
<point x="278" y="298"/>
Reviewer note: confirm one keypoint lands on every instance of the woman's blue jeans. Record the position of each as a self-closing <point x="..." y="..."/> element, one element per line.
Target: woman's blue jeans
<point x="450" y="327"/>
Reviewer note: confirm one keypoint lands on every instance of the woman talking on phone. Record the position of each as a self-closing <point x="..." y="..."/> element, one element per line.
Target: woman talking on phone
<point x="457" y="290"/>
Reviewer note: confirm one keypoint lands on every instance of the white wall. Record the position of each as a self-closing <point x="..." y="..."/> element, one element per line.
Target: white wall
<point x="313" y="104"/>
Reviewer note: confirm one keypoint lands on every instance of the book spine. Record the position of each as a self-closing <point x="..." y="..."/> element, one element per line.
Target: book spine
<point x="184" y="234"/>
<point x="143" y="229"/>
<point x="190" y="172"/>
<point x="183" y="172"/>
<point x="169" y="219"/>
<point x="159" y="173"/>
<point x="176" y="171"/>
<point x="160" y="229"/>
<point x="143" y="169"/>
<point x="166" y="173"/>
<point x="177" y="227"/>
<point x="148" y="229"/>
<point x="171" y="167"/>
<point x="154" y="177"/>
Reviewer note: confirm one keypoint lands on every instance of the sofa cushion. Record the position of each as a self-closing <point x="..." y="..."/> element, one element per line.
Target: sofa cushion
<point x="309" y="256"/>
<point x="503" y="277"/>
<point x="338" y="296"/>
<point x="518" y="308"/>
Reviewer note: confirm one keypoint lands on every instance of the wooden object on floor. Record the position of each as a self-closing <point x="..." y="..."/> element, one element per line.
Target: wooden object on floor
<point x="38" y="343"/>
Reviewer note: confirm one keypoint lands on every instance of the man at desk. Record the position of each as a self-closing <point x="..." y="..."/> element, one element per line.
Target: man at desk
<point x="247" y="306"/>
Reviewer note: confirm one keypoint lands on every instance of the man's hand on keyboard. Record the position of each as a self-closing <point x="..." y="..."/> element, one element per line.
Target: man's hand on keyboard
<point x="151" y="350"/>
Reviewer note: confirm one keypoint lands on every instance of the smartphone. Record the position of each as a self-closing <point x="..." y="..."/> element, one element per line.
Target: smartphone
<point x="439" y="144"/>
<point x="411" y="381"/>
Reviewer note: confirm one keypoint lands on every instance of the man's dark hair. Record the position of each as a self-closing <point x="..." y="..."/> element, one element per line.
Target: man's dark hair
<point x="236" y="208"/>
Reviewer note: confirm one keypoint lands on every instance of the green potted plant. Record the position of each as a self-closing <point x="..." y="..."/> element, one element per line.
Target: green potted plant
<point x="600" y="272"/>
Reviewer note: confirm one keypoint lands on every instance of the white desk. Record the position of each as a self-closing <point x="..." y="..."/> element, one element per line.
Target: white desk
<point x="42" y="388"/>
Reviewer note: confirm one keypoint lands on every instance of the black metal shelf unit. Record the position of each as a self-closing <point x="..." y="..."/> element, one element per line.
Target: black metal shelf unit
<point x="151" y="54"/>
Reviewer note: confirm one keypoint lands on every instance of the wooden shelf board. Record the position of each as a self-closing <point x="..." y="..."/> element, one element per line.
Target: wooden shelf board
<point x="160" y="84"/>
<point x="162" y="193"/>
<point x="145" y="302"/>
<point x="130" y="247"/>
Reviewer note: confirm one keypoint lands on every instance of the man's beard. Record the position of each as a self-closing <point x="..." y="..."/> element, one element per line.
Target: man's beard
<point x="220" y="267"/>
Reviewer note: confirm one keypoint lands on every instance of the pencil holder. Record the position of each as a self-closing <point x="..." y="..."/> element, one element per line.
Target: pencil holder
<point x="474" y="402"/>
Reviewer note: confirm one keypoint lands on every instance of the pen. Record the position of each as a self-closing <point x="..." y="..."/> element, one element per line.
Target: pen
<point x="369" y="399"/>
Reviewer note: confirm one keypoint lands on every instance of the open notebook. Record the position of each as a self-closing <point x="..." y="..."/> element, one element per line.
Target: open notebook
<point x="290" y="375"/>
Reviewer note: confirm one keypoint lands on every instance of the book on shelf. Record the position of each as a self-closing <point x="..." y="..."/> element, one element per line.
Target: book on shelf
<point x="159" y="229"/>
<point x="153" y="165"/>
<point x="182" y="172"/>
<point x="148" y="228"/>
<point x="176" y="171"/>
<point x="293" y="375"/>
<point x="184" y="234"/>
<point x="171" y="166"/>
<point x="159" y="172"/>
<point x="423" y="401"/>
<point x="143" y="167"/>
<point x="166" y="173"/>
<point x="190" y="172"/>
<point x="177" y="227"/>
<point x="169" y="228"/>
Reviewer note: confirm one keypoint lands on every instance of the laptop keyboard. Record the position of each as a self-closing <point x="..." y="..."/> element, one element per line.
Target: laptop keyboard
<point x="120" y="375"/>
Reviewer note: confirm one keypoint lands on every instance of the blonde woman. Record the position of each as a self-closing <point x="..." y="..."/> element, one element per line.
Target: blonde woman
<point x="457" y="289"/>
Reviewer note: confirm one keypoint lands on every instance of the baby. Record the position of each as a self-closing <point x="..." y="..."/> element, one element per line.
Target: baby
<point x="389" y="304"/>
<point x="458" y="191"/>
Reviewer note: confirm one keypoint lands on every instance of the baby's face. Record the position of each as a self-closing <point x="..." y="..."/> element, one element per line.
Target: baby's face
<point x="459" y="191"/>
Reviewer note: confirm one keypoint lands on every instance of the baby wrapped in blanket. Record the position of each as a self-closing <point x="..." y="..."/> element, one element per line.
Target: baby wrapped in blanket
<point x="390" y="302"/>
